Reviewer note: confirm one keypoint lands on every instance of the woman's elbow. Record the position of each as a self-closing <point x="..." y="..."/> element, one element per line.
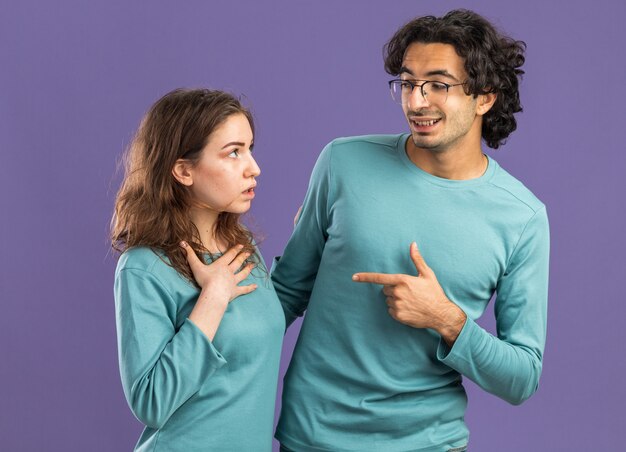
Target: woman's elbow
<point x="149" y="419"/>
<point x="148" y="411"/>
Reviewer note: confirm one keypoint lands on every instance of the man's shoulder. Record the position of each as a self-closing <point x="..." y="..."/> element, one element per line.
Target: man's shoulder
<point x="358" y="142"/>
<point x="515" y="189"/>
<point x="361" y="150"/>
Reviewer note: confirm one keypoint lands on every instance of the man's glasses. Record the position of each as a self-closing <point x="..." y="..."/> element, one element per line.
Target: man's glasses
<point x="434" y="92"/>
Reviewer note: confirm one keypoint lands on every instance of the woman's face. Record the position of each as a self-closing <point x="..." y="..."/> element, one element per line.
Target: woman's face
<point x="223" y="179"/>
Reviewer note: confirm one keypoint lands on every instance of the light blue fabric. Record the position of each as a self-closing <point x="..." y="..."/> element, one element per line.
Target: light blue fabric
<point x="193" y="394"/>
<point x="358" y="379"/>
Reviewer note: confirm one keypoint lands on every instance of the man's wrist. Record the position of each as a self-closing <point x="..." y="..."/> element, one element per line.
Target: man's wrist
<point x="452" y="321"/>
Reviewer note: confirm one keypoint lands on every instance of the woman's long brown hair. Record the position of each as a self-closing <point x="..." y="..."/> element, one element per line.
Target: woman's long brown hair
<point x="152" y="207"/>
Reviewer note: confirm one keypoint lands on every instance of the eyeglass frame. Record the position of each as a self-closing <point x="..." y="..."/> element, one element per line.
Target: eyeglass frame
<point x="421" y="87"/>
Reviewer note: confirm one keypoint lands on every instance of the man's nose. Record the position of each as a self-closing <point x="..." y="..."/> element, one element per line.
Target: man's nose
<point x="416" y="100"/>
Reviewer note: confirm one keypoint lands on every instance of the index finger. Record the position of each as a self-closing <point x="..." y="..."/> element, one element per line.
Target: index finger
<point x="376" y="278"/>
<point x="192" y="259"/>
<point x="231" y="254"/>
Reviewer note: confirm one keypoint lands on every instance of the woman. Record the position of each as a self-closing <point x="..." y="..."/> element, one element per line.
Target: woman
<point x="199" y="330"/>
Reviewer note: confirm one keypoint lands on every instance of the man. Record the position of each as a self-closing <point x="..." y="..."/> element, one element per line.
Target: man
<point x="379" y="368"/>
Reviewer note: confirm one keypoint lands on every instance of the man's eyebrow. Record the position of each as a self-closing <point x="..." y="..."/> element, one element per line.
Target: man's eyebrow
<point x="440" y="72"/>
<point x="443" y="73"/>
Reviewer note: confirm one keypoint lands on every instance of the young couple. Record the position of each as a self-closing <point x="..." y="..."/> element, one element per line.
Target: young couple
<point x="390" y="329"/>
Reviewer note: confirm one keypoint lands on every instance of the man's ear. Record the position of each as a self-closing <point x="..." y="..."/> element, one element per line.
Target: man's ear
<point x="485" y="102"/>
<point x="182" y="172"/>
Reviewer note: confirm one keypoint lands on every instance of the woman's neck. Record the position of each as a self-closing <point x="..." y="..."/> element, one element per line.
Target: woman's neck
<point x="205" y="221"/>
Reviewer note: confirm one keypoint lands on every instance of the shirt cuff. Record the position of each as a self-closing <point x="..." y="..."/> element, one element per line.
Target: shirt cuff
<point x="456" y="356"/>
<point x="199" y="341"/>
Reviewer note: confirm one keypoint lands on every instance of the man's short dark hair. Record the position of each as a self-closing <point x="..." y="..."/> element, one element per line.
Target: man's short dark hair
<point x="492" y="62"/>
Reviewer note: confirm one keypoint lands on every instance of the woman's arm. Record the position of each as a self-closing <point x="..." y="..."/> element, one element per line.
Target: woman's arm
<point x="161" y="367"/>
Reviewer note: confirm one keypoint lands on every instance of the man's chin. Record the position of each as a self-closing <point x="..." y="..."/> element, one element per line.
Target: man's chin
<point x="422" y="142"/>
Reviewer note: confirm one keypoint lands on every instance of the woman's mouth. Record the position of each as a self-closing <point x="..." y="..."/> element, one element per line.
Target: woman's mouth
<point x="249" y="192"/>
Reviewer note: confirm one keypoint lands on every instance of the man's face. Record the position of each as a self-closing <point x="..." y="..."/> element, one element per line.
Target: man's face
<point x="439" y="125"/>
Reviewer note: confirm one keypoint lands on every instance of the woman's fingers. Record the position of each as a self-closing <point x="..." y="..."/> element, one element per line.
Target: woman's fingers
<point x="297" y="217"/>
<point x="230" y="255"/>
<point x="225" y="274"/>
<point x="242" y="290"/>
<point x="233" y="257"/>
<point x="193" y="260"/>
<point x="238" y="261"/>
<point x="243" y="274"/>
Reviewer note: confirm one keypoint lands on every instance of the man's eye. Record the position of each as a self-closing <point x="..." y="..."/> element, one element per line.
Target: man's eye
<point x="437" y="86"/>
<point x="234" y="154"/>
<point x="405" y="85"/>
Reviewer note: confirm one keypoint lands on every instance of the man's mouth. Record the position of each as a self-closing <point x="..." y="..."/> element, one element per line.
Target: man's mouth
<point x="424" y="122"/>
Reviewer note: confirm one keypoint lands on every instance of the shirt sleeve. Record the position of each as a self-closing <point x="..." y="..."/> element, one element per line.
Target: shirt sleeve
<point x="294" y="273"/>
<point x="509" y="365"/>
<point x="161" y="367"/>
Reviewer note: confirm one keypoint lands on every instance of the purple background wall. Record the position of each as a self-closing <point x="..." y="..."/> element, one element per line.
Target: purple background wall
<point x="77" y="76"/>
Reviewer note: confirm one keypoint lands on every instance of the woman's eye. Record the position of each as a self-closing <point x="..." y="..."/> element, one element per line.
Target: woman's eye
<point x="234" y="154"/>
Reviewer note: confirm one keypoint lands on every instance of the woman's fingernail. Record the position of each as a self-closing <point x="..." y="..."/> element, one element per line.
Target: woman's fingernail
<point x="183" y="244"/>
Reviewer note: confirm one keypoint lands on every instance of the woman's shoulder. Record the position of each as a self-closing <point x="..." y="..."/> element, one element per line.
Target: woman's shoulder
<point x="142" y="258"/>
<point x="151" y="264"/>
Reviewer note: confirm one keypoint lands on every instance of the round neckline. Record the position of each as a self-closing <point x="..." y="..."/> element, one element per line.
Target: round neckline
<point x="449" y="183"/>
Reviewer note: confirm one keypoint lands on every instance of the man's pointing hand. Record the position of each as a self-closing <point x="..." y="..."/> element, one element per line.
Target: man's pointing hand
<point x="419" y="301"/>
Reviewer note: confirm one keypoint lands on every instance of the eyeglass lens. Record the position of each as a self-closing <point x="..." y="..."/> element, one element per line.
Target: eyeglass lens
<point x="432" y="91"/>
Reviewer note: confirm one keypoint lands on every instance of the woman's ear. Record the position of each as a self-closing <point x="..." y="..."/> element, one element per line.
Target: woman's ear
<point x="182" y="172"/>
<point x="485" y="102"/>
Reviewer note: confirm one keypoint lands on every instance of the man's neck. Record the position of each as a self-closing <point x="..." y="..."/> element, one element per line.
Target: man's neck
<point x="454" y="164"/>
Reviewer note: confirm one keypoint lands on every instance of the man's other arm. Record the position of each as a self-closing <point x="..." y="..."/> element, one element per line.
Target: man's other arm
<point x="294" y="273"/>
